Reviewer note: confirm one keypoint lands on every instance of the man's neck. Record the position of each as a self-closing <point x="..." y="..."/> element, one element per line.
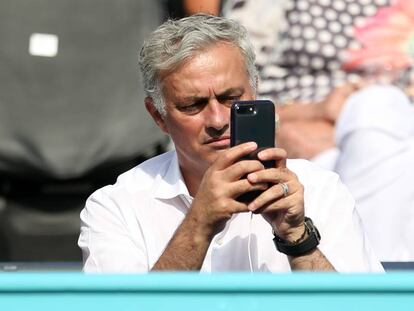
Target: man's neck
<point x="192" y="179"/>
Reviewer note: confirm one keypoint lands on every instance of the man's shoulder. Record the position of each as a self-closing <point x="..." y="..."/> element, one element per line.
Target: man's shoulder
<point x="146" y="172"/>
<point x="142" y="176"/>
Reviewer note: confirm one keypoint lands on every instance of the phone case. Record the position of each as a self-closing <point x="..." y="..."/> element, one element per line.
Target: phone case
<point x="253" y="121"/>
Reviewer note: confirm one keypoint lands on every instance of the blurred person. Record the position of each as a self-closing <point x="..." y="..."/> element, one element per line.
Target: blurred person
<point x="181" y="8"/>
<point x="375" y="136"/>
<point x="212" y="7"/>
<point x="178" y="211"/>
<point x="372" y="148"/>
<point x="363" y="129"/>
<point x="332" y="74"/>
<point x="264" y="21"/>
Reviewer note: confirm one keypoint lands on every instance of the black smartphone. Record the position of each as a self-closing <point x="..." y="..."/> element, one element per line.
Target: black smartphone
<point x="253" y="120"/>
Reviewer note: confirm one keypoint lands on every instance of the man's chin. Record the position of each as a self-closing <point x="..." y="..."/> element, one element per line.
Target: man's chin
<point x="215" y="154"/>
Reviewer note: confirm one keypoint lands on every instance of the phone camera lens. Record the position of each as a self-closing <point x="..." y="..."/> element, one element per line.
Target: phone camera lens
<point x="245" y="109"/>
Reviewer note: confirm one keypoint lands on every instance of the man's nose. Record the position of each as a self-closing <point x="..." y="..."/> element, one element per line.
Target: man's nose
<point x="217" y="115"/>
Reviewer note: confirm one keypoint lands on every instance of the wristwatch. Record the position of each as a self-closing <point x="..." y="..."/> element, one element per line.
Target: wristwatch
<point x="300" y="247"/>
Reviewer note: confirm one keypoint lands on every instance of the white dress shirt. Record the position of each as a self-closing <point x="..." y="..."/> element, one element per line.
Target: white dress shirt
<point x="126" y="226"/>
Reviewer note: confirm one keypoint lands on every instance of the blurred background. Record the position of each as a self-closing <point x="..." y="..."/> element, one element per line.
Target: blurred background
<point x="71" y="116"/>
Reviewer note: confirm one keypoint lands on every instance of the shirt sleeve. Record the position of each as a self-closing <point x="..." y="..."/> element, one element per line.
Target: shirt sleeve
<point x="109" y="242"/>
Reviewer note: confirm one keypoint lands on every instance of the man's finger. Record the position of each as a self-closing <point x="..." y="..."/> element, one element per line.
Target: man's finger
<point x="273" y="194"/>
<point x="243" y="186"/>
<point x="230" y="156"/>
<point x="271" y="175"/>
<point x="242" y="168"/>
<point x="277" y="154"/>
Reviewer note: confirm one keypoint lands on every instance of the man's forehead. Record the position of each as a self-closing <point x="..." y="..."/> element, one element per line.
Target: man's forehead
<point x="195" y="54"/>
<point x="217" y="70"/>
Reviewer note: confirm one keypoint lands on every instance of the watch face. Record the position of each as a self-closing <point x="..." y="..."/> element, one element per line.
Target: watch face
<point x="312" y="228"/>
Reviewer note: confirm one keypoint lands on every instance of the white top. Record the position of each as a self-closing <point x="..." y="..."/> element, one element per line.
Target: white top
<point x="375" y="134"/>
<point x="126" y="226"/>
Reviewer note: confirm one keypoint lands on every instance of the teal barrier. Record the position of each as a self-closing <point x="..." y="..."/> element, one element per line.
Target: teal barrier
<point x="197" y="292"/>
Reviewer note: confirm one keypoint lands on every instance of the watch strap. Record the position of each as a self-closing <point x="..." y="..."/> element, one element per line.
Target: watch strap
<point x="301" y="247"/>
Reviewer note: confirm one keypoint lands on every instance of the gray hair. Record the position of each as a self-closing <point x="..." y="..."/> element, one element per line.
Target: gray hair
<point x="177" y="40"/>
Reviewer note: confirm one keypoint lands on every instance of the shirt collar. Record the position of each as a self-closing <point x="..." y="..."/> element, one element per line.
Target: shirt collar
<point x="170" y="183"/>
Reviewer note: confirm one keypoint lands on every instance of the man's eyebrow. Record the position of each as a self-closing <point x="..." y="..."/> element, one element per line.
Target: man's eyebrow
<point x="228" y="92"/>
<point x="193" y="99"/>
<point x="231" y="91"/>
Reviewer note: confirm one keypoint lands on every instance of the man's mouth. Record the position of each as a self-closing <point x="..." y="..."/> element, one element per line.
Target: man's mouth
<point x="219" y="142"/>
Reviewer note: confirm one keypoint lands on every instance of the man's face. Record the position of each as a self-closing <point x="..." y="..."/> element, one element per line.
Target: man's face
<point x="198" y="97"/>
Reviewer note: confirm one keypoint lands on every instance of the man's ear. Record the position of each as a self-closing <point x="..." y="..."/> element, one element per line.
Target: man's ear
<point x="155" y="114"/>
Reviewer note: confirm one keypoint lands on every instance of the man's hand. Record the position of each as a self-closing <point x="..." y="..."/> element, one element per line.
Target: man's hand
<point x="285" y="213"/>
<point x="214" y="204"/>
<point x="215" y="201"/>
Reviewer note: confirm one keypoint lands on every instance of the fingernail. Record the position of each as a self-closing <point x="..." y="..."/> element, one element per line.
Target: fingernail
<point x="251" y="145"/>
<point x="251" y="207"/>
<point x="252" y="177"/>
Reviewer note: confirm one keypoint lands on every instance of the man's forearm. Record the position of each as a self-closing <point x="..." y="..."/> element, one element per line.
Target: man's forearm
<point x="297" y="111"/>
<point x="312" y="261"/>
<point x="187" y="248"/>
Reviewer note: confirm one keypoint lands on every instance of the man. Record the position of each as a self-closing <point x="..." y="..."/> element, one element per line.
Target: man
<point x="178" y="211"/>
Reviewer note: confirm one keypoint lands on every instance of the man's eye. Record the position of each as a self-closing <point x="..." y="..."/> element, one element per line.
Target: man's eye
<point x="228" y="100"/>
<point x="193" y="108"/>
<point x="235" y="97"/>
